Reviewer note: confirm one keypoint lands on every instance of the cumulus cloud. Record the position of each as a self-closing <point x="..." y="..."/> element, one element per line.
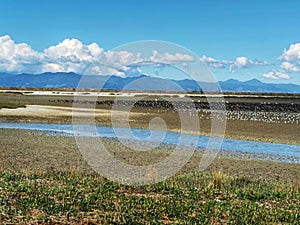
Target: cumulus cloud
<point x="289" y="67"/>
<point x="215" y="63"/>
<point x="10" y="50"/>
<point x="291" y="58"/>
<point x="71" y="55"/>
<point x="290" y="63"/>
<point x="121" y="59"/>
<point x="238" y="63"/>
<point x="73" y="48"/>
<point x="123" y="63"/>
<point x="170" y="58"/>
<point x="17" y="57"/>
<point x="275" y="75"/>
<point x="292" y="54"/>
<point x="241" y="61"/>
<point x="244" y="62"/>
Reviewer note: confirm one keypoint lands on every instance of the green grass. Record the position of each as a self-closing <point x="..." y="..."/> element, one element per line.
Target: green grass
<point x="68" y="198"/>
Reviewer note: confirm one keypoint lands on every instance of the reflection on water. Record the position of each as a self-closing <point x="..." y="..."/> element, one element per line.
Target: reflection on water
<point x="283" y="152"/>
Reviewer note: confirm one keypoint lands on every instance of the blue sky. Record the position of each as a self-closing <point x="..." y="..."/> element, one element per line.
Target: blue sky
<point x="237" y="39"/>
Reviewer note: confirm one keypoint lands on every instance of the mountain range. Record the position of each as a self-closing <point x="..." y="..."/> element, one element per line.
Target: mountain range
<point x="143" y="82"/>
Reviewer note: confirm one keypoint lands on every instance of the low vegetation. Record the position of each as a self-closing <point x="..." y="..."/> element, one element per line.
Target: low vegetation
<point x="10" y="100"/>
<point x="11" y="104"/>
<point x="197" y="198"/>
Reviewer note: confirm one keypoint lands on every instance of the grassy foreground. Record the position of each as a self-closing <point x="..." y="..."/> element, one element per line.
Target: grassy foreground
<point x="44" y="180"/>
<point x="196" y="198"/>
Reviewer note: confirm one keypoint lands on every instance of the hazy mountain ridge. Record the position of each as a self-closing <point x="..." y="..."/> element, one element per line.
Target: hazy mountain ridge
<point x="71" y="80"/>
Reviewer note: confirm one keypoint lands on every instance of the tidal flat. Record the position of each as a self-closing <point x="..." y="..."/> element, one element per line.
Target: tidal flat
<point x="24" y="150"/>
<point x="44" y="178"/>
<point x="258" y="118"/>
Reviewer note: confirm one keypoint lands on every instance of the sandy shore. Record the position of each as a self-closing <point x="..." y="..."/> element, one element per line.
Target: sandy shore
<point x="44" y="111"/>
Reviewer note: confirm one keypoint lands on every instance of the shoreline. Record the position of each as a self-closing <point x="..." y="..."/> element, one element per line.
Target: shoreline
<point x="63" y="114"/>
<point x="263" y="155"/>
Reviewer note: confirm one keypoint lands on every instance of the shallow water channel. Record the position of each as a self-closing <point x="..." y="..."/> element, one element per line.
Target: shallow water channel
<point x="257" y="150"/>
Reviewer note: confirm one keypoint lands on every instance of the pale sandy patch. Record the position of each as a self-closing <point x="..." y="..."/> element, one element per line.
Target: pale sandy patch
<point x="57" y="111"/>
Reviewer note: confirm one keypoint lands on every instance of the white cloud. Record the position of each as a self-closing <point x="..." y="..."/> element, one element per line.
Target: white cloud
<point x="71" y="55"/>
<point x="17" y="57"/>
<point x="275" y="75"/>
<point x="73" y="48"/>
<point x="292" y="54"/>
<point x="244" y="62"/>
<point x="121" y="59"/>
<point x="239" y="63"/>
<point x="215" y="63"/>
<point x="290" y="63"/>
<point x="168" y="58"/>
<point x="291" y="59"/>
<point x="52" y="67"/>
<point x="289" y="67"/>
<point x="9" y="49"/>
<point x="115" y="72"/>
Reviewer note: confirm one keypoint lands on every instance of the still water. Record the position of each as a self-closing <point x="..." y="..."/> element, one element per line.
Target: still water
<point x="271" y="151"/>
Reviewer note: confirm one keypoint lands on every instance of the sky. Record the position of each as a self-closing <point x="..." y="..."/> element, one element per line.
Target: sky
<point x="237" y="39"/>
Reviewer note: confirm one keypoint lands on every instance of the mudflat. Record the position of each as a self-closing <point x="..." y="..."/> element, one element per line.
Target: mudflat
<point x="274" y="119"/>
<point x="23" y="150"/>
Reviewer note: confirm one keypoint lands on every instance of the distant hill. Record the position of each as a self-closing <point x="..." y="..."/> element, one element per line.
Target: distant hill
<point x="255" y="85"/>
<point x="71" y="80"/>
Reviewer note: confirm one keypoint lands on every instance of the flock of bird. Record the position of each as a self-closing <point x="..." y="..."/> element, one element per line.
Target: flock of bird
<point x="268" y="112"/>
